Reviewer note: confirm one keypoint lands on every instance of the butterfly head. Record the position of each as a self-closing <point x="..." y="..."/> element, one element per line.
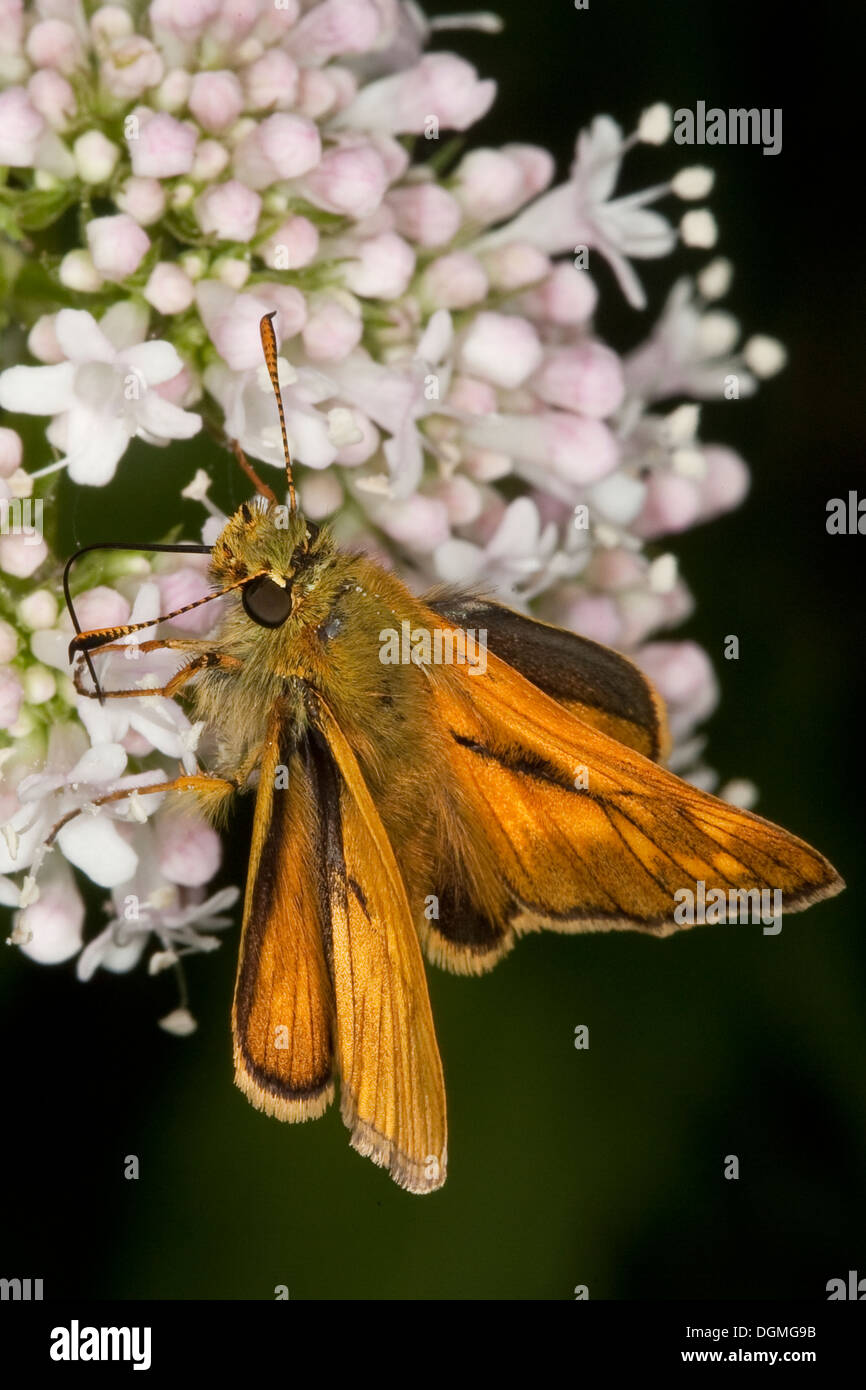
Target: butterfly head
<point x="271" y="548"/>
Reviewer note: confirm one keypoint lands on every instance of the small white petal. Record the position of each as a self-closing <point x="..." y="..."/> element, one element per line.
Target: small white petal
<point x="698" y="228"/>
<point x="693" y="183"/>
<point x="38" y="390"/>
<point x="714" y="280"/>
<point x="656" y="124"/>
<point x="157" y="361"/>
<point x="81" y="337"/>
<point x="94" y="845"/>
<point x="766" y="356"/>
<point x="165" y="420"/>
<point x="103" y="763"/>
<point x="95" y="446"/>
<point x="662" y="574"/>
<point x="180" y="1022"/>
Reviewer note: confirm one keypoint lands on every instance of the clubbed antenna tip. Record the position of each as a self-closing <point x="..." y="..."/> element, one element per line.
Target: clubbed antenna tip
<point x="269" y="344"/>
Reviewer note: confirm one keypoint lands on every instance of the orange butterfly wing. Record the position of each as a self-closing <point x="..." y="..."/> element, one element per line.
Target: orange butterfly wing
<point x="608" y="854"/>
<point x="392" y="1090"/>
<point x="282" y="1019"/>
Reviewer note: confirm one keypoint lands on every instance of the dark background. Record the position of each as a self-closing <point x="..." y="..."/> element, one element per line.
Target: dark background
<point x="602" y="1167"/>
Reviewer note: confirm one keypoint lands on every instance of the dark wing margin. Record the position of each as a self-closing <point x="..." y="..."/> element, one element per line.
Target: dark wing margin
<point x="594" y="683"/>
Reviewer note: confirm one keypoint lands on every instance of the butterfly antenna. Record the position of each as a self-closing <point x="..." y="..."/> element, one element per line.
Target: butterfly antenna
<point x="269" y="343"/>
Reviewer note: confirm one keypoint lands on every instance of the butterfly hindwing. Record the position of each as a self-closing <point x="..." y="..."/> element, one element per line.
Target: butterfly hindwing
<point x="594" y="683"/>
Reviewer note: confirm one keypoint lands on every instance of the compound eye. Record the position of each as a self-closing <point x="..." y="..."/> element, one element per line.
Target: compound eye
<point x="266" y="603"/>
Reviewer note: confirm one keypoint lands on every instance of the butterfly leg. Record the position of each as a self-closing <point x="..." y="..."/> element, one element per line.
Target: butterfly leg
<point x="220" y="787"/>
<point x="203" y="661"/>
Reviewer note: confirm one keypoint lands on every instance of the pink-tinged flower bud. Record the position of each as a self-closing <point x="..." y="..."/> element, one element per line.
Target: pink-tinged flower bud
<point x="581" y="451"/>
<point x="95" y="157"/>
<point x="462" y="499"/>
<point x="168" y="289"/>
<point x="42" y="340"/>
<point x="316" y="94"/>
<point x="293" y="244"/>
<point x="142" y="199"/>
<point x="229" y="210"/>
<point x="321" y="495"/>
<point x="682" y="674"/>
<point x="271" y="81"/>
<point x="108" y="23"/>
<point x="335" y="27"/>
<point x="425" y="213"/>
<point x="53" y="44"/>
<point x="487" y="465"/>
<point x="441" y="91"/>
<point x="291" y="144"/>
<point x="188" y="850"/>
<point x="211" y="158"/>
<point x="11" y="452"/>
<point x="52" y="926"/>
<point x="274" y="25"/>
<point x="53" y="97"/>
<point x="232" y="322"/>
<point x="725" y="482"/>
<point x="101" y="607"/>
<point x="420" y="523"/>
<point x="537" y="167"/>
<point x="20" y="128"/>
<point x="117" y="245"/>
<point x="184" y="586"/>
<point x="185" y="18"/>
<point x="283" y="146"/>
<point x="587" y="378"/>
<point x="672" y="504"/>
<point x="77" y="272"/>
<point x="455" y="281"/>
<point x="8" y="645"/>
<point x="615" y="569"/>
<point x="290" y="304"/>
<point x="130" y="67"/>
<point x="473" y="396"/>
<point x="331" y="331"/>
<point x="394" y="155"/>
<point x="11" y="26"/>
<point x="595" y="616"/>
<point x="172" y="94"/>
<point x="233" y="271"/>
<point x="183" y="390"/>
<point x="351" y="181"/>
<point x="164" y="147"/>
<point x="488" y="185"/>
<point x="515" y="266"/>
<point x="20" y="557"/>
<point x="567" y="296"/>
<point x="501" y="348"/>
<point x="351" y="455"/>
<point x="345" y="85"/>
<point x="216" y="100"/>
<point x="230" y="28"/>
<point x="381" y="267"/>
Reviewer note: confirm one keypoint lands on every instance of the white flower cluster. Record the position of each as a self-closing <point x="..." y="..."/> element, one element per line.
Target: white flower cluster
<point x="448" y="402"/>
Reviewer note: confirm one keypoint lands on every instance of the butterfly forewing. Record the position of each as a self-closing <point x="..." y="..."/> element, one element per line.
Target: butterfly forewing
<point x="588" y="833"/>
<point x="392" y="1089"/>
<point x="283" y="1010"/>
